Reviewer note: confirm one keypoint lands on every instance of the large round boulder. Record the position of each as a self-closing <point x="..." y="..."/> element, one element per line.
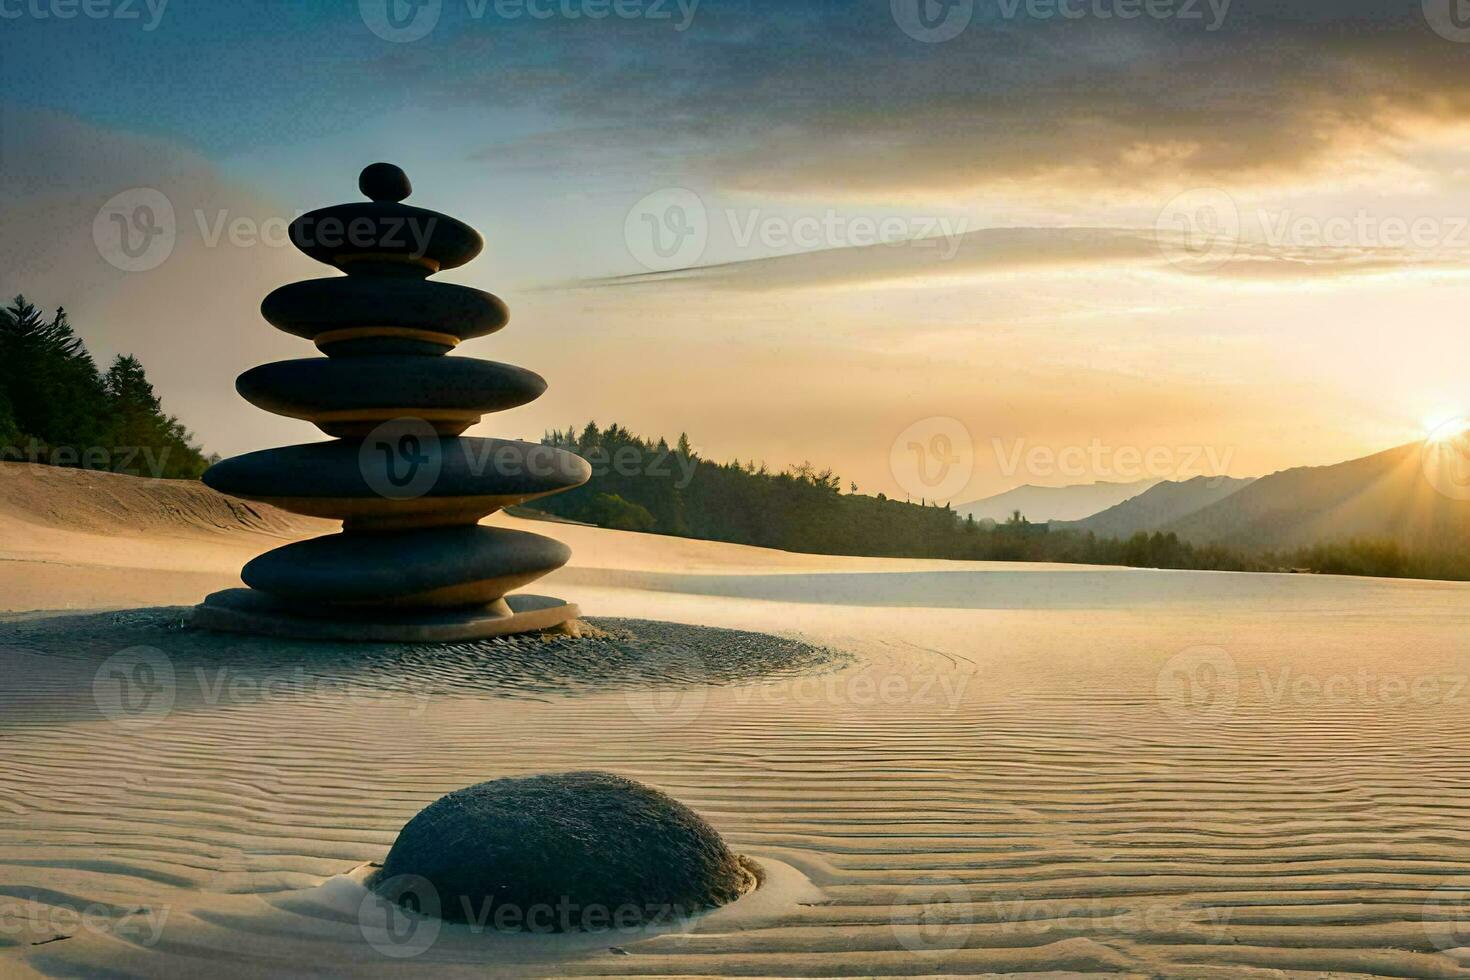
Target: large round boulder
<point x="562" y="852"/>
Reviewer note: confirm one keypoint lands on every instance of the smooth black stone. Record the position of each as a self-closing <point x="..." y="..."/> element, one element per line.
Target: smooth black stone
<point x="555" y="851"/>
<point x="249" y="611"/>
<point x="336" y="234"/>
<point x="384" y="182"/>
<point x="468" y="466"/>
<point x="358" y="567"/>
<point x="307" y="387"/>
<point x="314" y="306"/>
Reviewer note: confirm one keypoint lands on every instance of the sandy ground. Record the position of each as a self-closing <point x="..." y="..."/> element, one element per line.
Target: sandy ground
<point x="1021" y="769"/>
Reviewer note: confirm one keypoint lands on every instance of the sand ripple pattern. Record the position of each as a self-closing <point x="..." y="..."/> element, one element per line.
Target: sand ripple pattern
<point x="1013" y="792"/>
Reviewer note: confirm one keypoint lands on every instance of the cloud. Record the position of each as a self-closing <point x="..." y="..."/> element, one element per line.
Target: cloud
<point x="1003" y="251"/>
<point x="192" y="316"/>
<point x="838" y="101"/>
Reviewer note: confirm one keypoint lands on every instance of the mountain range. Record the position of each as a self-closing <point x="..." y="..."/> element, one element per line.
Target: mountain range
<point x="1041" y="505"/>
<point x="1159" y="506"/>
<point x="1416" y="495"/>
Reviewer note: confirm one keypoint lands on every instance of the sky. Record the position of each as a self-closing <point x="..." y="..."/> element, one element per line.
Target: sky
<point x="944" y="247"/>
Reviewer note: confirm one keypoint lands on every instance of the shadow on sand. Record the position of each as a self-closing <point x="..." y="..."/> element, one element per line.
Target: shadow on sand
<point x="135" y="667"/>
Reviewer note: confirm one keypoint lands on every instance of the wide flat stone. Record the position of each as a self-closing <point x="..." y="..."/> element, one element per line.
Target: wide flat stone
<point x="404" y="476"/>
<point x="445" y="566"/>
<point x="357" y="315"/>
<point x="351" y="396"/>
<point x="248" y="611"/>
<point x="385" y="232"/>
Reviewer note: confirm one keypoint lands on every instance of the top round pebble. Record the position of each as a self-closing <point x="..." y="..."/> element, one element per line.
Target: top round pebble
<point x="384" y="182"/>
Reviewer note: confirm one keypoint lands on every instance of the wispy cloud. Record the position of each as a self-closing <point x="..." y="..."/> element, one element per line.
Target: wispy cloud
<point x="1001" y="251"/>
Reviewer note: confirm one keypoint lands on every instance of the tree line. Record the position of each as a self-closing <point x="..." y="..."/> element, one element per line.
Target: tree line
<point x="56" y="407"/>
<point x="649" y="485"/>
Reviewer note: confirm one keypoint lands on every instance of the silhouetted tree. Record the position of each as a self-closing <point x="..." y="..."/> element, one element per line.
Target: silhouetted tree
<point x="56" y="408"/>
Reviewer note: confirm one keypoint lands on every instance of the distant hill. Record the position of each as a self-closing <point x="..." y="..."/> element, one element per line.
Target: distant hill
<point x="1043" y="504"/>
<point x="1158" y="506"/>
<point x="1387" y="497"/>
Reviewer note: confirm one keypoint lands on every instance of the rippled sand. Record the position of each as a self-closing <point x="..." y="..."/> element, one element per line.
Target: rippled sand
<point x="1014" y="769"/>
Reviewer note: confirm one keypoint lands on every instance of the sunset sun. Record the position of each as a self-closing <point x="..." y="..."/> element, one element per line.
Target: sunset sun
<point x="1444" y="428"/>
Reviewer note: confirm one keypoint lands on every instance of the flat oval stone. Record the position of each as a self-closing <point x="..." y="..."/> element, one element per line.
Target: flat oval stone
<point x="563" y="852"/>
<point x="404" y="476"/>
<point x="356" y="309"/>
<point x="351" y="396"/>
<point x="385" y="232"/>
<point x="437" y="567"/>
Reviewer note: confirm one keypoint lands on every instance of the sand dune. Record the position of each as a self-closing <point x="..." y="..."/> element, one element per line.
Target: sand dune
<point x="1041" y="771"/>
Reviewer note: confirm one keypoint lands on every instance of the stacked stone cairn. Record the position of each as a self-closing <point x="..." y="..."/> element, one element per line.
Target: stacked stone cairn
<point x="412" y="563"/>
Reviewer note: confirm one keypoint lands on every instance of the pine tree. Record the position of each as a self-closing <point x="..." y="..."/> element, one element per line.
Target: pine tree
<point x="56" y="408"/>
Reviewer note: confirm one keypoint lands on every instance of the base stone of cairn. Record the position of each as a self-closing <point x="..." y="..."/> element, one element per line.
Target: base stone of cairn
<point x="412" y="563"/>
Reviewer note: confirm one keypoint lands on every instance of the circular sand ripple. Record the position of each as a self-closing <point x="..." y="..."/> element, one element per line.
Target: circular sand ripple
<point x="135" y="668"/>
